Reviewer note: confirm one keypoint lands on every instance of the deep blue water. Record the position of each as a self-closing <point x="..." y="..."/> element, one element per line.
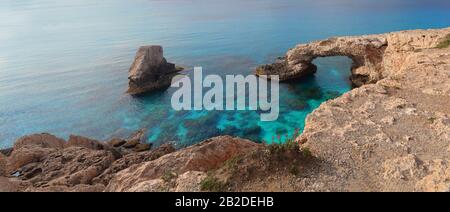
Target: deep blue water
<point x="64" y="64"/>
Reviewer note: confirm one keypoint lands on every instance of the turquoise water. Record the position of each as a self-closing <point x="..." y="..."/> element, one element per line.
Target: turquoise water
<point x="64" y="64"/>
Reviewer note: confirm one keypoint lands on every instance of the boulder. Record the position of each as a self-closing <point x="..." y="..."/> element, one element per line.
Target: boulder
<point x="142" y="147"/>
<point x="26" y="155"/>
<point x="139" y="136"/>
<point x="130" y="144"/>
<point x="150" y="71"/>
<point x="43" y="140"/>
<point x="203" y="157"/>
<point x="80" y="141"/>
<point x="117" y="142"/>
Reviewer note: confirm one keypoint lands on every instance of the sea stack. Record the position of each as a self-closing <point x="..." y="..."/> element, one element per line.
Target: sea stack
<point x="150" y="71"/>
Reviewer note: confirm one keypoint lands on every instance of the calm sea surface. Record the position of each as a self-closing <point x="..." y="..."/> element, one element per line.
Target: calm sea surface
<point x="64" y="64"/>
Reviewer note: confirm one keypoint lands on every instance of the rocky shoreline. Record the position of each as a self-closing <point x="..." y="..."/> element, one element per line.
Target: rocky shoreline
<point x="392" y="133"/>
<point x="43" y="162"/>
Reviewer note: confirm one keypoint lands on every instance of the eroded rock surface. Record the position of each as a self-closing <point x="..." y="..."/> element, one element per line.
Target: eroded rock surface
<point x="132" y="159"/>
<point x="387" y="136"/>
<point x="44" y="163"/>
<point x="374" y="56"/>
<point x="202" y="157"/>
<point x="150" y="71"/>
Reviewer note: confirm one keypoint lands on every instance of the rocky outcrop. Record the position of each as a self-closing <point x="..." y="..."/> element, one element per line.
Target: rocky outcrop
<point x="150" y="71"/>
<point x="132" y="159"/>
<point x="390" y="134"/>
<point x="43" y="140"/>
<point x="387" y="136"/>
<point x="373" y="56"/>
<point x="33" y="148"/>
<point x="202" y="157"/>
<point x="80" y="141"/>
<point x="67" y="167"/>
<point x="45" y="163"/>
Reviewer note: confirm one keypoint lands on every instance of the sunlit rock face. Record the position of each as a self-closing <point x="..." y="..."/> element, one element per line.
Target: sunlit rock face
<point x="372" y="55"/>
<point x="150" y="71"/>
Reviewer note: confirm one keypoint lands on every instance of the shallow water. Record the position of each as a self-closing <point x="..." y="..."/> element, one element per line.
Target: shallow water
<point x="64" y="64"/>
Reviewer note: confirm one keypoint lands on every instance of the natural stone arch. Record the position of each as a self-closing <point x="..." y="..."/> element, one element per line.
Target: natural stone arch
<point x="365" y="51"/>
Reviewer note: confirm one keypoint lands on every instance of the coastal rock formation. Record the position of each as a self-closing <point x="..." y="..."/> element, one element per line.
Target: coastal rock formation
<point x="150" y="71"/>
<point x="43" y="140"/>
<point x="374" y="56"/>
<point x="67" y="167"/>
<point x="392" y="135"/>
<point x="33" y="148"/>
<point x="45" y="163"/>
<point x="80" y="141"/>
<point x="202" y="157"/>
<point x="132" y="159"/>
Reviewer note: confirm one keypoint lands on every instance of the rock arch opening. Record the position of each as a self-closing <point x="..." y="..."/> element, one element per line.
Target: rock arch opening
<point x="366" y="52"/>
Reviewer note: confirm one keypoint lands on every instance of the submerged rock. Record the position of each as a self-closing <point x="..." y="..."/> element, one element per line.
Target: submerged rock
<point x="150" y="71"/>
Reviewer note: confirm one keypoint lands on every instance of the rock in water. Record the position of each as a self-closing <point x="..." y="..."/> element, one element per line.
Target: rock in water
<point x="150" y="71"/>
